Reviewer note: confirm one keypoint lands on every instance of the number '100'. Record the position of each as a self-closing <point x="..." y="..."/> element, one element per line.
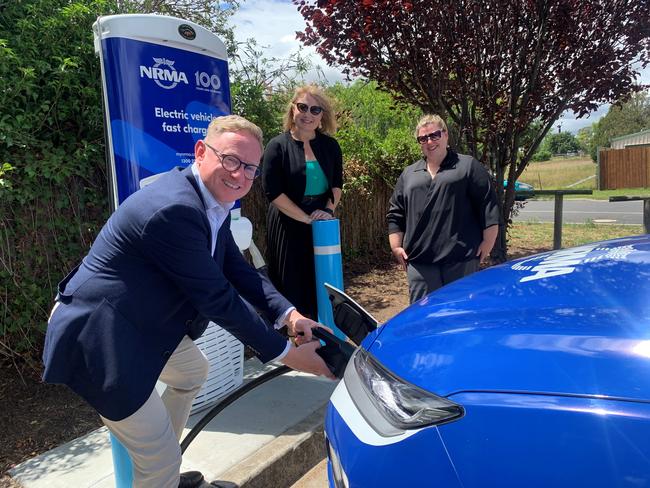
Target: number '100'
<point x="206" y="80"/>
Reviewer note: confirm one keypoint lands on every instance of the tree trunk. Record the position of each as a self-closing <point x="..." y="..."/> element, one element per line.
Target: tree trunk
<point x="499" y="252"/>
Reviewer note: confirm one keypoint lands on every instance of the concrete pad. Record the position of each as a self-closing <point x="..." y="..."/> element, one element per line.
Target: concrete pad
<point x="243" y="428"/>
<point x="314" y="478"/>
<point x="284" y="460"/>
<point x="255" y="420"/>
<point x="84" y="462"/>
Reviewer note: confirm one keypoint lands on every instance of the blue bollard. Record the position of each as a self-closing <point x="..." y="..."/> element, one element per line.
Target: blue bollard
<point x="329" y="268"/>
<point x="122" y="467"/>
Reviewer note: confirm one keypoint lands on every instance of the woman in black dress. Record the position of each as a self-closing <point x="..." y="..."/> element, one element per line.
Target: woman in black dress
<point x="302" y="173"/>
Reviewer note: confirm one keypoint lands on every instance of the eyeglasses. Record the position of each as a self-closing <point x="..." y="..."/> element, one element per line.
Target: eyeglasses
<point x="233" y="163"/>
<point x="314" y="109"/>
<point x="434" y="136"/>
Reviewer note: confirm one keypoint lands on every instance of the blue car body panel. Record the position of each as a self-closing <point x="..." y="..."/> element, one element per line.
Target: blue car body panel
<point x="549" y="441"/>
<point x="550" y="357"/>
<point x="573" y="321"/>
<point x="519" y="186"/>
<point x="509" y="440"/>
<point x="403" y="464"/>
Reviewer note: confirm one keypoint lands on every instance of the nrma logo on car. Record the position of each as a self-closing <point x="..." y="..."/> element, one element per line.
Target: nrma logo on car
<point x="566" y="261"/>
<point x="163" y="73"/>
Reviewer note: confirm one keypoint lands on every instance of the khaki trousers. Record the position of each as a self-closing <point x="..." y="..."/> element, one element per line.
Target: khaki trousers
<point x="151" y="435"/>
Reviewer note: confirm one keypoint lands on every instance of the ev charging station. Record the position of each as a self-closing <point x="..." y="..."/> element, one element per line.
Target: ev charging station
<point x="164" y="79"/>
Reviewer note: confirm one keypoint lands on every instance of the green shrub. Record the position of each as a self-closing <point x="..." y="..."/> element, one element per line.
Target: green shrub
<point x="374" y="131"/>
<point x="542" y="155"/>
<point x="250" y="100"/>
<point x="52" y="176"/>
<point x="53" y="197"/>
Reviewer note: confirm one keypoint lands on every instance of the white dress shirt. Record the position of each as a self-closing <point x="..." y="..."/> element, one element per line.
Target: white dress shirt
<point x="217" y="212"/>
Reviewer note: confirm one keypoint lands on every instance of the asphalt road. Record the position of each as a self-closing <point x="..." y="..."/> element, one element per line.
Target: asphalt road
<point x="581" y="211"/>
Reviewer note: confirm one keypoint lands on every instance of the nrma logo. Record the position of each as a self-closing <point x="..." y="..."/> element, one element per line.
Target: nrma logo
<point x="163" y="73"/>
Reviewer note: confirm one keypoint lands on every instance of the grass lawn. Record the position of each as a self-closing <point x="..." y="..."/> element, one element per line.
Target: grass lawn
<point x="628" y="192"/>
<point x="560" y="173"/>
<point x="529" y="235"/>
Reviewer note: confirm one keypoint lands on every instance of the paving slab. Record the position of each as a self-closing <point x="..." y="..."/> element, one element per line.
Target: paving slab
<point x="292" y="403"/>
<point x="316" y="477"/>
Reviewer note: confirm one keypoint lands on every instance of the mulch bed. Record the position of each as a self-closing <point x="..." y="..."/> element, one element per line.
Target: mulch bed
<point x="37" y="417"/>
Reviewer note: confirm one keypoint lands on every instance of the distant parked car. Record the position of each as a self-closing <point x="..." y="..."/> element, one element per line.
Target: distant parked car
<point x="519" y="187"/>
<point x="534" y="373"/>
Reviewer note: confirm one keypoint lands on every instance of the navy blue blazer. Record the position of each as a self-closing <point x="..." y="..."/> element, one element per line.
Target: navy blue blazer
<point x="148" y="280"/>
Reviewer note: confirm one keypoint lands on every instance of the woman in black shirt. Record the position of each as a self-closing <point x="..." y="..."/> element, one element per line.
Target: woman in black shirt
<point x="443" y="216"/>
<point x="302" y="173"/>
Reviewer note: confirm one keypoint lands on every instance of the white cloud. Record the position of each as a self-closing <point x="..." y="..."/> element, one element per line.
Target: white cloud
<point x="273" y="24"/>
<point x="572" y="124"/>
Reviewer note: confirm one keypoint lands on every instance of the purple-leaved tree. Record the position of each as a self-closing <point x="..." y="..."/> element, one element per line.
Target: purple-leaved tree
<point x="502" y="70"/>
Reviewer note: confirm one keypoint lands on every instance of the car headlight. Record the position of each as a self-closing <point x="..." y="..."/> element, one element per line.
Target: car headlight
<point x="390" y="404"/>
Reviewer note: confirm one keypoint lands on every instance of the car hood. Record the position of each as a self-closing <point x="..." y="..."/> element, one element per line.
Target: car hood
<point x="573" y="322"/>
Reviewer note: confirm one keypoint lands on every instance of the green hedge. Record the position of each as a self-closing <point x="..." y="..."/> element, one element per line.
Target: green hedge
<point x="374" y="131"/>
<point x="52" y="177"/>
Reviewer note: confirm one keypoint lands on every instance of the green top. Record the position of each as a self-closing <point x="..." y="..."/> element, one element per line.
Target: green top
<point x="316" y="179"/>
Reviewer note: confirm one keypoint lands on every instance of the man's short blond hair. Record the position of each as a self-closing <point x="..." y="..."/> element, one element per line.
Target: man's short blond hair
<point x="234" y="123"/>
<point x="430" y="119"/>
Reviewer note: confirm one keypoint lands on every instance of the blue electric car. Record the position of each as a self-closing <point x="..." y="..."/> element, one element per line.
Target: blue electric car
<point x="534" y="373"/>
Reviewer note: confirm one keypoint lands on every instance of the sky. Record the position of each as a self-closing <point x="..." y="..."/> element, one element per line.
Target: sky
<point x="273" y="23"/>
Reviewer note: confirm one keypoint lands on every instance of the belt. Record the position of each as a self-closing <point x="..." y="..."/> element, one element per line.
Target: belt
<point x="313" y="198"/>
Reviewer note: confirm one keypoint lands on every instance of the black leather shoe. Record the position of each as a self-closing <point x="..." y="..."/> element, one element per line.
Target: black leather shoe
<point x="191" y="479"/>
<point x="223" y="484"/>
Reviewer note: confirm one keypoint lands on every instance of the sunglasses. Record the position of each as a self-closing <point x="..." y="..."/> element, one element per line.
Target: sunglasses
<point x="303" y="107"/>
<point x="434" y="136"/>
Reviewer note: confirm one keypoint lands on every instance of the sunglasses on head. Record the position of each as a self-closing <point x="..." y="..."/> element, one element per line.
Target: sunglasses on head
<point x="434" y="136"/>
<point x="314" y="110"/>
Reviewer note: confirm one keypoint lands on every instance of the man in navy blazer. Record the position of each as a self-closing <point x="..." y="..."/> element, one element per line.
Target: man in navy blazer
<point x="162" y="266"/>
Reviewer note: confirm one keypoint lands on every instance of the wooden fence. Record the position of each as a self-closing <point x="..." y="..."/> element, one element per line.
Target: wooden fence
<point x="362" y="215"/>
<point x="624" y="168"/>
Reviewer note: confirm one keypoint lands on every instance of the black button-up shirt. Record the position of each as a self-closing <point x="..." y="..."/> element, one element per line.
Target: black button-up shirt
<point x="443" y="218"/>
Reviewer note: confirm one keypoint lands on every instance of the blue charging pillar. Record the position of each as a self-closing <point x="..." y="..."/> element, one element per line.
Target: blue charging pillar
<point x="328" y="265"/>
<point x="122" y="466"/>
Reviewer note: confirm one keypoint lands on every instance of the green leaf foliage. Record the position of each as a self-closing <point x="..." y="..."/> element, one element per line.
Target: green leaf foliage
<point x="53" y="182"/>
<point x="250" y="100"/>
<point x="584" y="137"/>
<point x="376" y="133"/>
<point x="52" y="176"/>
<point x="560" y="143"/>
<point x="542" y="155"/>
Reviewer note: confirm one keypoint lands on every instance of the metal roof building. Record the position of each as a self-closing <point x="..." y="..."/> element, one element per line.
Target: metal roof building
<point x="637" y="139"/>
